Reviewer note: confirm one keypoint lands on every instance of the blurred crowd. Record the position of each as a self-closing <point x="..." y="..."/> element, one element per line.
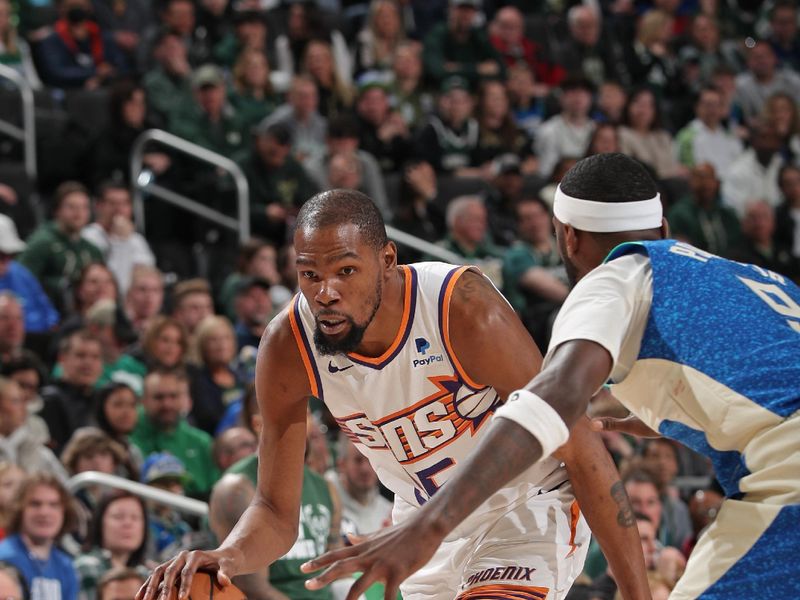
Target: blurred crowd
<point x="129" y="347"/>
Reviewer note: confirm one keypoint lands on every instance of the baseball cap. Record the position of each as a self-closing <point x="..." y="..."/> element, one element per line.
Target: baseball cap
<point x="9" y="238"/>
<point x="248" y="283"/>
<point x="163" y="465"/>
<point x="455" y="82"/>
<point x="207" y="75"/>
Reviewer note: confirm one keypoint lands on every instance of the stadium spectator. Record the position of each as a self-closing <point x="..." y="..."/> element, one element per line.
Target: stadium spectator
<point x="22" y="443"/>
<point x="507" y="35"/>
<point x="39" y="315"/>
<point x="178" y="17"/>
<point x="43" y="513"/>
<point x="660" y="457"/>
<point x="533" y="274"/>
<point x="305" y="23"/>
<point x="700" y="218"/>
<point x="56" y="252"/>
<point x="527" y="98"/>
<point x="650" y="60"/>
<point x="278" y="182"/>
<point x="590" y="51"/>
<point x="168" y="84"/>
<point x="642" y="490"/>
<point x="214" y="384"/>
<point x="410" y="98"/>
<point x="163" y="428"/>
<point x="300" y="115"/>
<point x="364" y="510"/>
<point x="611" y="101"/>
<point x="705" y="52"/>
<point x="782" y="110"/>
<point x="117" y="538"/>
<point x="249" y="33"/>
<point x="116" y="414"/>
<point x="705" y="139"/>
<point x="215" y="17"/>
<point x="724" y="80"/>
<point x="468" y="236"/>
<point x="343" y="137"/>
<point x="119" y="584"/>
<point x="210" y="121"/>
<point x="642" y="135"/>
<point x="567" y="133"/>
<point x="383" y="131"/>
<point x="145" y="296"/>
<point x="783" y="34"/>
<point x="12" y="326"/>
<point x="113" y="233"/>
<point x="252" y="94"/>
<point x="253" y="310"/>
<point x="232" y="445"/>
<point x="787" y="215"/>
<point x="169" y="532"/>
<point x="78" y="53"/>
<point x="28" y="372"/>
<point x="69" y="401"/>
<point x="506" y="190"/>
<point x="449" y="140"/>
<point x="12" y="582"/>
<point x="377" y="43"/>
<point x="335" y="94"/>
<point x="498" y="134"/>
<point x="703" y="508"/>
<point x="257" y="258"/>
<point x="165" y="344"/>
<point x="605" y="139"/>
<point x="762" y="79"/>
<point x="755" y="173"/>
<point x="124" y="23"/>
<point x="419" y="211"/>
<point x="460" y="47"/>
<point x="14" y="49"/>
<point x="191" y="303"/>
<point x="758" y="246"/>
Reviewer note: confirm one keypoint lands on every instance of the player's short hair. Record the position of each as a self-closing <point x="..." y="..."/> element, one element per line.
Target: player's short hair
<point x="612" y="177"/>
<point x="342" y="207"/>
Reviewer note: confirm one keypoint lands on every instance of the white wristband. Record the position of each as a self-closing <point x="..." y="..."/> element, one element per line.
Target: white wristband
<point x="540" y="419"/>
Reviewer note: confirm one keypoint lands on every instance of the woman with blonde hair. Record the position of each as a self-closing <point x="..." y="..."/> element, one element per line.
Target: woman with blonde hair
<point x="378" y="41"/>
<point x="651" y="60"/>
<point x="335" y="95"/>
<point x="165" y="344"/>
<point x="214" y="384"/>
<point x="252" y="93"/>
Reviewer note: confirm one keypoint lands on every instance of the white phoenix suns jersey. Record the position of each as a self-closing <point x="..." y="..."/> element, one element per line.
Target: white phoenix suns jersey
<point x="413" y="411"/>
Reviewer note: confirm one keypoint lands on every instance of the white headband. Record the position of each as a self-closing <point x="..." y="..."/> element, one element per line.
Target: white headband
<point x="607" y="217"/>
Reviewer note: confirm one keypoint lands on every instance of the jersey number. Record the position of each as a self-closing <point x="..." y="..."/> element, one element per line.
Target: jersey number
<point x="426" y="478"/>
<point x="777" y="300"/>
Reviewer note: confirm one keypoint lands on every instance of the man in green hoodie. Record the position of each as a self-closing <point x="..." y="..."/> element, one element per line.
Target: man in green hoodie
<point x="56" y="252"/>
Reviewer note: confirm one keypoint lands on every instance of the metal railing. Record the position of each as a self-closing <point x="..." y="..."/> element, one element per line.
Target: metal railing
<point x="141" y="184"/>
<point x="27" y="133"/>
<point x="176" y="501"/>
<point x="242" y="224"/>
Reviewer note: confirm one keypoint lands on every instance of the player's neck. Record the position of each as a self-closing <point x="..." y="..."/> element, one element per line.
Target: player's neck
<point x="386" y="325"/>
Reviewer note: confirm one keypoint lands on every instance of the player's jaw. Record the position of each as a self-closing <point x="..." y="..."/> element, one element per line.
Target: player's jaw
<point x="336" y="333"/>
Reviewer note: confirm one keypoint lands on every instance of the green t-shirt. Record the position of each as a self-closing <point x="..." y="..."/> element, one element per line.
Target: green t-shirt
<point x="316" y="512"/>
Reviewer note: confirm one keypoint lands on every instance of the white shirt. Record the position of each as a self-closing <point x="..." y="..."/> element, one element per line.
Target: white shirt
<point x="557" y="139"/>
<point x="746" y="180"/>
<point x="715" y="146"/>
<point x="121" y="254"/>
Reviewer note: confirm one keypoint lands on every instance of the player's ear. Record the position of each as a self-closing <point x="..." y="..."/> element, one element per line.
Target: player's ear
<point x="571" y="240"/>
<point x="389" y="255"/>
<point x="665" y="232"/>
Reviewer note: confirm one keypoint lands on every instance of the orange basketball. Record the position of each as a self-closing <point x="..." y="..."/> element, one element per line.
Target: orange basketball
<point x="205" y="587"/>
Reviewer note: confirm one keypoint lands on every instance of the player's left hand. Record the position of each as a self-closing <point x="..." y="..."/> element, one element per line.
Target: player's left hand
<point x="389" y="556"/>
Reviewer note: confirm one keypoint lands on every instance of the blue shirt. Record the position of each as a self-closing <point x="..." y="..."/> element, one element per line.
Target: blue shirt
<point x="40" y="315"/>
<point x="51" y="579"/>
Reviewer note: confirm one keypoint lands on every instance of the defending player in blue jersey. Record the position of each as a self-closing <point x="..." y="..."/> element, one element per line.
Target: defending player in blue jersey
<point x="701" y="349"/>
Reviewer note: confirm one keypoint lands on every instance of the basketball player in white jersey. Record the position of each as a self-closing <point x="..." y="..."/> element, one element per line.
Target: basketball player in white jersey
<point x="412" y="361"/>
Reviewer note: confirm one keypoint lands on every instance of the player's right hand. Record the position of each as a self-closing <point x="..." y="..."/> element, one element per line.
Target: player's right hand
<point x="182" y="568"/>
<point x="631" y="425"/>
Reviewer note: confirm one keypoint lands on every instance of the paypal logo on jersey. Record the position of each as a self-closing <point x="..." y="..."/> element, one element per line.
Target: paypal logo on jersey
<point x="423" y="346"/>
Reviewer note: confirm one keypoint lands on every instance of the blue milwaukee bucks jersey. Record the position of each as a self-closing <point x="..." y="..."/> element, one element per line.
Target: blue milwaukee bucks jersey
<point x="719" y="364"/>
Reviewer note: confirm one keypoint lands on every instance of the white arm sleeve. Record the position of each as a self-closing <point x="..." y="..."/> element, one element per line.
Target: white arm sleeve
<point x="610" y="307"/>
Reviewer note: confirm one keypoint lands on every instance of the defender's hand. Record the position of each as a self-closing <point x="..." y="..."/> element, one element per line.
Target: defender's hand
<point x="631" y="425"/>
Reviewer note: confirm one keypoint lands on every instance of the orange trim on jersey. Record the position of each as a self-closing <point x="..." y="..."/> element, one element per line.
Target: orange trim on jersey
<point x="401" y="330"/>
<point x="503" y="591"/>
<point x="448" y="293"/>
<point x="575" y="515"/>
<point x="301" y="346"/>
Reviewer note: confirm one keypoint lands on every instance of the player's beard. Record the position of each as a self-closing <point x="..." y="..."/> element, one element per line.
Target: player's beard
<point x="351" y="340"/>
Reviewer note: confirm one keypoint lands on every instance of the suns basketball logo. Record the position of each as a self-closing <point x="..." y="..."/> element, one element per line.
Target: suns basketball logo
<point x="430" y="424"/>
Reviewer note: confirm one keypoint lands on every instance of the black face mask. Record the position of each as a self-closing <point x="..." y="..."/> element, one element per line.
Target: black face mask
<point x="77" y="15"/>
